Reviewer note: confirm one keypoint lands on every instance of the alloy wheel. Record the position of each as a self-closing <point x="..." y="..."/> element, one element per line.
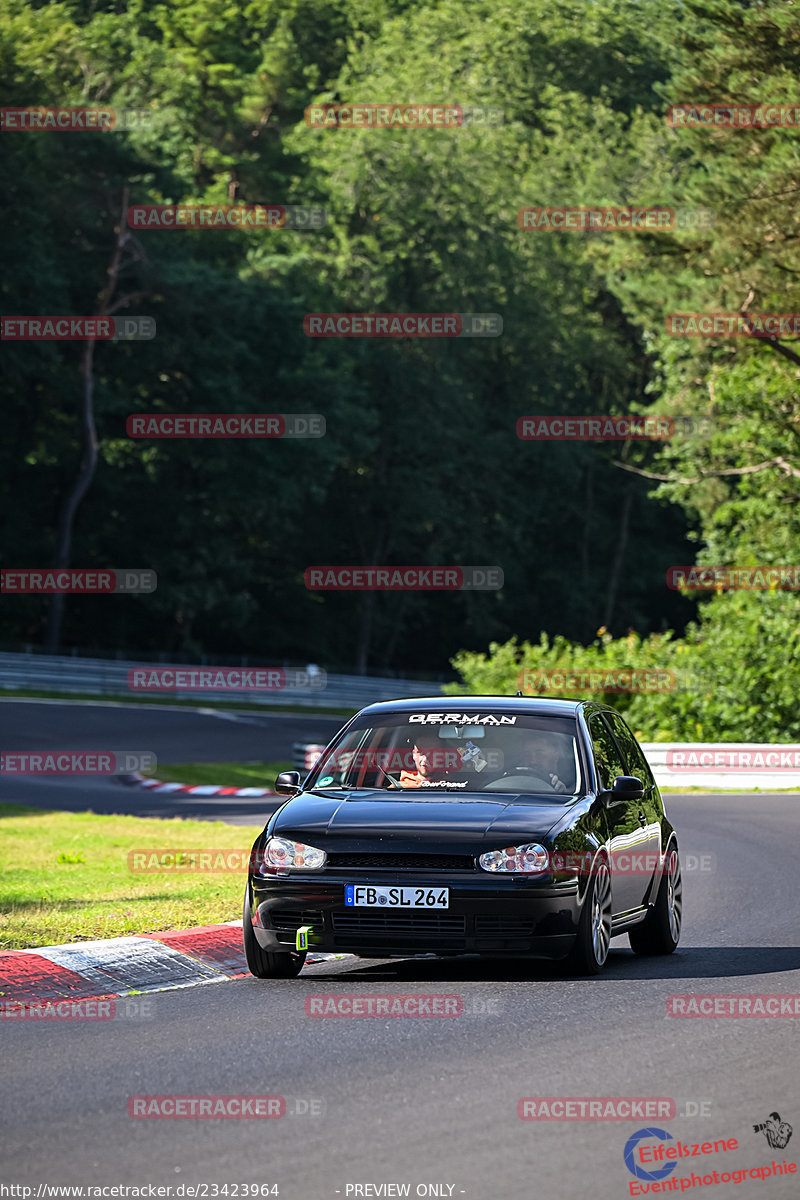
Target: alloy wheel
<point x="674" y="895"/>
<point x="601" y="914"/>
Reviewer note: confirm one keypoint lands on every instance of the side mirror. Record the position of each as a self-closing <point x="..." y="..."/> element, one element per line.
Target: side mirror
<point x="288" y="783"/>
<point x="626" y="787"/>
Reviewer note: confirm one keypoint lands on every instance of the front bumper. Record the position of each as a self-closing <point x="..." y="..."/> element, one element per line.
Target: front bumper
<point x="487" y="915"/>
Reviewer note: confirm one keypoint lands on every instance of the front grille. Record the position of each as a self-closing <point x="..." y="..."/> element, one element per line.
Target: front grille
<point x="401" y="862"/>
<point x="497" y="925"/>
<point x="293" y="918"/>
<point x="427" y="926"/>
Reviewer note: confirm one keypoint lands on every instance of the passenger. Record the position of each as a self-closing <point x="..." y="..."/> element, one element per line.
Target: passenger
<point x="431" y="762"/>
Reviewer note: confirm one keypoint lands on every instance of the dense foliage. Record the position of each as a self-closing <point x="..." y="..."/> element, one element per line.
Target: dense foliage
<point x="734" y="676"/>
<point x="421" y="462"/>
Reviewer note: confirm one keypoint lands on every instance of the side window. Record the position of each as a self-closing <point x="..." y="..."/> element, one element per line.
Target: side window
<point x="637" y="763"/>
<point x="606" y="754"/>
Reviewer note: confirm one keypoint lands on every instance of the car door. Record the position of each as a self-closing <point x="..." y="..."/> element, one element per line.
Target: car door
<point x="626" y="820"/>
<point x="636" y="764"/>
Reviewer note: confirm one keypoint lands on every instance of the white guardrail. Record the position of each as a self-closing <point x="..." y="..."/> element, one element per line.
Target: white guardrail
<point x="731" y="765"/>
<point x="109" y="677"/>
<point x="744" y="766"/>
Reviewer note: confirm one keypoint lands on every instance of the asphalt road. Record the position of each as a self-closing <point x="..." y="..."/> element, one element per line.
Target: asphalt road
<point x="110" y="797"/>
<point x="433" y="1101"/>
<point x="175" y="735"/>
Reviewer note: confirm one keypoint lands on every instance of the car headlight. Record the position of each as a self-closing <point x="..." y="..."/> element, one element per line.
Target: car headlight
<point x="281" y="854"/>
<point x="522" y="860"/>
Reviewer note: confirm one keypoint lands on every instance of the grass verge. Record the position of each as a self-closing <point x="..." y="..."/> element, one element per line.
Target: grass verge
<point x="239" y="775"/>
<point x="66" y="876"/>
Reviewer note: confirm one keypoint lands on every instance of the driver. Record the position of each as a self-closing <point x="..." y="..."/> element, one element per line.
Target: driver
<point x="431" y="762"/>
<point x="539" y="752"/>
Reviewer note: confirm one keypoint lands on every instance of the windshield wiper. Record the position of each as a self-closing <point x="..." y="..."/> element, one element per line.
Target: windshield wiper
<point x="392" y="781"/>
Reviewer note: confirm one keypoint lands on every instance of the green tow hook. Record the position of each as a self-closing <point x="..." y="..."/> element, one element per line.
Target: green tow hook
<point x="301" y="941"/>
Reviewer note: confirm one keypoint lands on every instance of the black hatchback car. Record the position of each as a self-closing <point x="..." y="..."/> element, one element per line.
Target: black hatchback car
<point x="524" y="827"/>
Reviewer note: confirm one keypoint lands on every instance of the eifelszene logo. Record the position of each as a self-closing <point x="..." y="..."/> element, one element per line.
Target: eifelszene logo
<point x="776" y="1131"/>
<point x="630" y="1150"/>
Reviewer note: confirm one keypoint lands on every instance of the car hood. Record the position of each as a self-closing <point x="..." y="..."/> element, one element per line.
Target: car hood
<point x="468" y="818"/>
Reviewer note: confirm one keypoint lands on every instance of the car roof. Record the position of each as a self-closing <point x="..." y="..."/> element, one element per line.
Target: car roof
<point x="531" y="705"/>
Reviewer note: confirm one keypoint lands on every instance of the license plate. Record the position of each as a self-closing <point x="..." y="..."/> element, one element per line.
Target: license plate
<point x="362" y="895"/>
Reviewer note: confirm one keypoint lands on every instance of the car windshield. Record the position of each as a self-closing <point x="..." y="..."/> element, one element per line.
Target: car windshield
<point x="438" y="753"/>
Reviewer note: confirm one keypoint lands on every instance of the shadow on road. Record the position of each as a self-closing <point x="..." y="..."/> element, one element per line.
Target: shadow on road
<point x="692" y="963"/>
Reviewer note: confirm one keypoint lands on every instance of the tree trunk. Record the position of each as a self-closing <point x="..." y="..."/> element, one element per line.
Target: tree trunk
<point x="89" y="457"/>
<point x="586" y="617"/>
<point x="76" y="494"/>
<point x="619" y="557"/>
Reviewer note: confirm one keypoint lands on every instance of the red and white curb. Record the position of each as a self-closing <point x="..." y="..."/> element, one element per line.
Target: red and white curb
<point x="148" y="962"/>
<point x="134" y="779"/>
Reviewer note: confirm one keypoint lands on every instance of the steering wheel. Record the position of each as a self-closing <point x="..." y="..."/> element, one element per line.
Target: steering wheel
<point x="522" y="770"/>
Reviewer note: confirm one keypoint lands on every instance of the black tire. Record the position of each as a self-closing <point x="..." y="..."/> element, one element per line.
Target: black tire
<point x="263" y="963"/>
<point x="660" y="931"/>
<point x="590" y="951"/>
